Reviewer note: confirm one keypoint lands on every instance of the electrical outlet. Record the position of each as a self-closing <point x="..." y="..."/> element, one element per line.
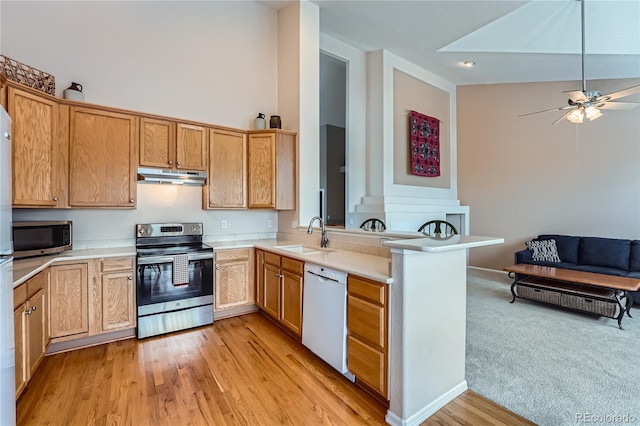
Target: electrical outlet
<point x="223" y="224"/>
<point x="270" y="223"/>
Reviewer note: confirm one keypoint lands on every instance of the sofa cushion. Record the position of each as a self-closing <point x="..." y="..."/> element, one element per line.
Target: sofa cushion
<point x="607" y="252"/>
<point x="543" y="250"/>
<point x="601" y="270"/>
<point x="634" y="258"/>
<point x="567" y="246"/>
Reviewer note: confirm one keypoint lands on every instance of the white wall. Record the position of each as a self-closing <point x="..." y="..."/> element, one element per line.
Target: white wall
<point x="523" y="177"/>
<point x="214" y="62"/>
<point x="208" y="61"/>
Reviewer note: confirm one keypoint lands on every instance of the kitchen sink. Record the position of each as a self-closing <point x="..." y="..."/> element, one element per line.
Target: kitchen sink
<point x="302" y="249"/>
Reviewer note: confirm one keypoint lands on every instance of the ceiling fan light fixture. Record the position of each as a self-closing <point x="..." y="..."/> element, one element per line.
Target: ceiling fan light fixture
<point x="592" y="113"/>
<point x="468" y="64"/>
<point x="576" y="116"/>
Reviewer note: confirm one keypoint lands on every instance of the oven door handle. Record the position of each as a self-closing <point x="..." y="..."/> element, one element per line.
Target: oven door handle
<point x="152" y="260"/>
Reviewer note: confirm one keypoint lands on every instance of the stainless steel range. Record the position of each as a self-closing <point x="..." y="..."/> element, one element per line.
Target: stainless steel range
<point x="175" y="278"/>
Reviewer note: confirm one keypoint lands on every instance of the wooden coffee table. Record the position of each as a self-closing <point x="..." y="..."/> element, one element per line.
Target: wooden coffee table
<point x="606" y="295"/>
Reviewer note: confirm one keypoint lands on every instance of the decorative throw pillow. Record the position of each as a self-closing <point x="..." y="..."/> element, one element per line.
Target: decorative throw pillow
<point x="543" y="250"/>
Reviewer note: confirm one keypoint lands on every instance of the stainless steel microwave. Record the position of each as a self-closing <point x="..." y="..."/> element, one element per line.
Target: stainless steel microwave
<point x="41" y="238"/>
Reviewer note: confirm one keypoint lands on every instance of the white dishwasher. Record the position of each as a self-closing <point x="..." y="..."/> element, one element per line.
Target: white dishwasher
<point x="324" y="315"/>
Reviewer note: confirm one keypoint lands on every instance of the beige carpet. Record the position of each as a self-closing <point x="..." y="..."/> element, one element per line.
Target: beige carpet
<point x="553" y="366"/>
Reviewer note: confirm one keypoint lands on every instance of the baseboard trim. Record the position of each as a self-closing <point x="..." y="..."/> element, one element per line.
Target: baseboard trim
<point x="478" y="268"/>
<point x="85" y="342"/>
<point x="428" y="410"/>
<point x="234" y="312"/>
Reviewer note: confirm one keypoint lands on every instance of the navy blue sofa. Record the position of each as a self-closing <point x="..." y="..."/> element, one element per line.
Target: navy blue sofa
<point x="608" y="256"/>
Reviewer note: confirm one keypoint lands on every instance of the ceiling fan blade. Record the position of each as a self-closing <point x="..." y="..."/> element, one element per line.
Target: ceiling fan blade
<point x="577" y="96"/>
<point x="548" y="110"/>
<point x="622" y="93"/>
<point x="620" y="105"/>
<point x="561" y="118"/>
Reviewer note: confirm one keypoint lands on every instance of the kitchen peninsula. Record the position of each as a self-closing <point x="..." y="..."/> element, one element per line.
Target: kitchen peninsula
<point x="427" y="324"/>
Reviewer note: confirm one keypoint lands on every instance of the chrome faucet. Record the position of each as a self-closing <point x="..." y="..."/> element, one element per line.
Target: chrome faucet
<point x="324" y="240"/>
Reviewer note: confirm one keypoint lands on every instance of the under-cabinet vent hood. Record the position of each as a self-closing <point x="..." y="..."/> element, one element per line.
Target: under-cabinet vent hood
<point x="177" y="177"/>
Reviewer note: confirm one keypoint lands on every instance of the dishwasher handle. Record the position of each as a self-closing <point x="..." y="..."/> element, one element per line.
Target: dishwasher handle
<point x="324" y="278"/>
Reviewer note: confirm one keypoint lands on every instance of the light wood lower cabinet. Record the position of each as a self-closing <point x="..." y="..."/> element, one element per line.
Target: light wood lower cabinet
<point x="118" y="307"/>
<point x="233" y="279"/>
<point x="283" y="291"/>
<point x="259" y="268"/>
<point x="368" y="333"/>
<point x="30" y="327"/>
<point x="69" y="300"/>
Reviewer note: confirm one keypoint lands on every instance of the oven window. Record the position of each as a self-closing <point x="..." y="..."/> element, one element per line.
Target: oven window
<point x="155" y="282"/>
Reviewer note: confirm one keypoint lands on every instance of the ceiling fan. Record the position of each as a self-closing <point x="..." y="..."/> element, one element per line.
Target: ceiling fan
<point x="588" y="103"/>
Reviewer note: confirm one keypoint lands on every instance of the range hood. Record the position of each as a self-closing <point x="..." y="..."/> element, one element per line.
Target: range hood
<point x="177" y="177"/>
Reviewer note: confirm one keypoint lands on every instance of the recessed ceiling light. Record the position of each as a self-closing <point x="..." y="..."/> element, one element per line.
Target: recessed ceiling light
<point x="468" y="64"/>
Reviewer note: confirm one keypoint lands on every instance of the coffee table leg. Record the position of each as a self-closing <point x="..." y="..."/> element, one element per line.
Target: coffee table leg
<point x="629" y="302"/>
<point x="513" y="293"/>
<point x="622" y="310"/>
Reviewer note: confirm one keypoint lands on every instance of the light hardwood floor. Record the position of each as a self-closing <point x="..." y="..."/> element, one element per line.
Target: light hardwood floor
<point x="240" y="371"/>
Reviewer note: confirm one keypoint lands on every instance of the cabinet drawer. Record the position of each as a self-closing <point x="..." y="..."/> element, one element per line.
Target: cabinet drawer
<point x="116" y="264"/>
<point x="366" y="289"/>
<point x="292" y="265"/>
<point x="36" y="284"/>
<point x="366" y="321"/>
<point x="19" y="295"/>
<point x="235" y="254"/>
<point x="272" y="259"/>
<point x="367" y="364"/>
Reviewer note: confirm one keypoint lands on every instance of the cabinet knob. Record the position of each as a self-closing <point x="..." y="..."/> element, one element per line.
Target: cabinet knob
<point x="28" y="311"/>
<point x="217" y="268"/>
<point x="55" y="199"/>
<point x="131" y="201"/>
<point x="170" y="162"/>
<point x="7" y="136"/>
<point x="130" y="278"/>
<point x="178" y="163"/>
<point x="33" y="308"/>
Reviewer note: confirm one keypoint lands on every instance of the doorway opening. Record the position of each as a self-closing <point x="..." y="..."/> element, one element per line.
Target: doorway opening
<point x="333" y="113"/>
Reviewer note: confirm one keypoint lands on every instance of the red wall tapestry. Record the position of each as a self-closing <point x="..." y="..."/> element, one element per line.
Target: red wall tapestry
<point x="425" y="144"/>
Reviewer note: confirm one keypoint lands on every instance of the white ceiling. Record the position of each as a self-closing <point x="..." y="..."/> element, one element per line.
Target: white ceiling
<point x="510" y="41"/>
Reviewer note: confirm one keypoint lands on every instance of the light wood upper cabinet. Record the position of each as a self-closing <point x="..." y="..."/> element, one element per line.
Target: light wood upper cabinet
<point x="191" y="147"/>
<point x="69" y="300"/>
<point x="272" y="170"/>
<point x="227" y="184"/>
<point x="103" y="147"/>
<point x="157" y="143"/>
<point x="36" y="150"/>
<point x="234" y="279"/>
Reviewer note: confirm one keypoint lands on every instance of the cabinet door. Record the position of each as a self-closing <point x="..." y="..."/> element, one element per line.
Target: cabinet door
<point x="367" y="364"/>
<point x="291" y="316"/>
<point x="118" y="303"/>
<point x="34" y="149"/>
<point x="157" y="143"/>
<point x="68" y="300"/>
<point x="232" y="281"/>
<point x="19" y="321"/>
<point x="260" y="278"/>
<point x="35" y="331"/>
<point x="272" y="291"/>
<point x="285" y="181"/>
<point x="191" y="147"/>
<point x="262" y="170"/>
<point x="102" y="164"/>
<point x="227" y="186"/>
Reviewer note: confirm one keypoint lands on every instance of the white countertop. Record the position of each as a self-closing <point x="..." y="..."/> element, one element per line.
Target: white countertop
<point x="23" y="269"/>
<point x="455" y="242"/>
<point x="373" y="267"/>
